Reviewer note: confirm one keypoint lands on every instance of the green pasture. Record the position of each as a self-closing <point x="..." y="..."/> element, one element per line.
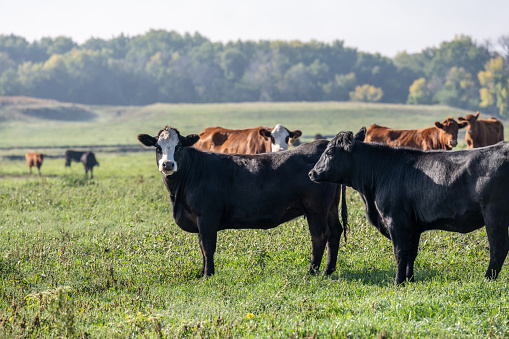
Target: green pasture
<point x="28" y="125"/>
<point x="103" y="258"/>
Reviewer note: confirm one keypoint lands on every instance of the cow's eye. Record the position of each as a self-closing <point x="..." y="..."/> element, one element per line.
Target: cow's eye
<point x="287" y="139"/>
<point x="272" y="139"/>
<point x="330" y="152"/>
<point x="158" y="149"/>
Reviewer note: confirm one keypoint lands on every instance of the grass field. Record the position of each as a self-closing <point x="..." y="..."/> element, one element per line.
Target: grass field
<point x="103" y="258"/>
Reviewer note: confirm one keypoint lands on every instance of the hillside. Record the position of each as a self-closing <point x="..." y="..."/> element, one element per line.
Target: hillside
<point x="35" y="123"/>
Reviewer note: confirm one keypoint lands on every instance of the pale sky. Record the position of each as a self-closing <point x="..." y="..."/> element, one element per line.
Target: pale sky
<point x="383" y="26"/>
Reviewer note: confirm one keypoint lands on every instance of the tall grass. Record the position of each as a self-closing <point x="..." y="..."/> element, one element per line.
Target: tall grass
<point x="104" y="258"/>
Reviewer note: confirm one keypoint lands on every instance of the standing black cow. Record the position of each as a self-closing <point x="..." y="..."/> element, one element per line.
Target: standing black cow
<point x="210" y="192"/>
<point x="86" y="158"/>
<point x="407" y="192"/>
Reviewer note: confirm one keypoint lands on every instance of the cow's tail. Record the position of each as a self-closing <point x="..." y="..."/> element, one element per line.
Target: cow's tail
<point x="344" y="210"/>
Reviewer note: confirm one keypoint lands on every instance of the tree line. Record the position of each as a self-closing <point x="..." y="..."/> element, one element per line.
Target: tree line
<point x="165" y="66"/>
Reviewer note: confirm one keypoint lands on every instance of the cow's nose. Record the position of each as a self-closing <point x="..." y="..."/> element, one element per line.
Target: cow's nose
<point x="453" y="143"/>
<point x="168" y="165"/>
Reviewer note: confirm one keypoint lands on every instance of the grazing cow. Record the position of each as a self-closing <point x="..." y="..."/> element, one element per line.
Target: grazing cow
<point x="34" y="159"/>
<point x="86" y="158"/>
<point x="246" y="141"/>
<point x="407" y="192"/>
<point x="211" y="191"/>
<point x="441" y="136"/>
<point x="482" y="132"/>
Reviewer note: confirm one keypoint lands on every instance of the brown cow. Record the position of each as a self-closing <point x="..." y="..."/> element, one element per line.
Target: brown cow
<point x="246" y="141"/>
<point x="482" y="132"/>
<point x="34" y="159"/>
<point x="441" y="136"/>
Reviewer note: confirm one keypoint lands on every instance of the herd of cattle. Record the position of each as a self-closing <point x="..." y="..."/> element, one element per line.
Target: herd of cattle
<point x="87" y="158"/>
<point x="408" y="180"/>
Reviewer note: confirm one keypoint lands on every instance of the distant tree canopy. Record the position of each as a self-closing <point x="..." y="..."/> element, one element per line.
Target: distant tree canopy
<point x="162" y="66"/>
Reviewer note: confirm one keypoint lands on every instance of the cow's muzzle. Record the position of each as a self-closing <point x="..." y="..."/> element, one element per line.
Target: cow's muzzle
<point x="168" y="167"/>
<point x="314" y="176"/>
<point x="453" y="143"/>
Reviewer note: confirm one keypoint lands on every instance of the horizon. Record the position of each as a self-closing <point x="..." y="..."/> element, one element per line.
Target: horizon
<point x="368" y="26"/>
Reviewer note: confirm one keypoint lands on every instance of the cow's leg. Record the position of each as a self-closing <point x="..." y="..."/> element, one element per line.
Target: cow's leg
<point x="405" y="250"/>
<point x="39" y="170"/>
<point x="335" y="231"/>
<point x="208" y="240"/>
<point x="319" y="235"/>
<point x="496" y="229"/>
<point x="92" y="173"/>
<point x="412" y="254"/>
<point x="30" y="167"/>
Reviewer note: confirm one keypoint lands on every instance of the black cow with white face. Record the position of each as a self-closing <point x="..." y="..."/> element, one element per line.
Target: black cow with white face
<point x="407" y="192"/>
<point x="210" y="192"/>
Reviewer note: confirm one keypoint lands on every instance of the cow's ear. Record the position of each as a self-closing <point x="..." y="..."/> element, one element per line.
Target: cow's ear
<point x="461" y="119"/>
<point x="439" y="125"/>
<point x="361" y="134"/>
<point x="190" y="140"/>
<point x="147" y="140"/>
<point x="462" y="124"/>
<point x="264" y="133"/>
<point x="295" y="134"/>
<point x="477" y="115"/>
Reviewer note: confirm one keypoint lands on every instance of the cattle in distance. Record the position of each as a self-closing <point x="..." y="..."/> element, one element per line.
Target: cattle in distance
<point x="443" y="135"/>
<point x="87" y="158"/>
<point x="34" y="159"/>
<point x="482" y="132"/>
<point x="246" y="141"/>
<point x="212" y="191"/>
<point x="407" y="192"/>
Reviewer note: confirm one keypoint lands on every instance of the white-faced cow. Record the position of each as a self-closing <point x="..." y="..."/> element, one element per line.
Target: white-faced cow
<point x="246" y="141"/>
<point x="211" y="191"/>
<point x="407" y="192"/>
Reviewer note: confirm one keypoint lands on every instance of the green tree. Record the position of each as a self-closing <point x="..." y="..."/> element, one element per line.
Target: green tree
<point x="340" y="88"/>
<point x="366" y="93"/>
<point x="459" y="90"/>
<point x="420" y="93"/>
<point x="495" y="86"/>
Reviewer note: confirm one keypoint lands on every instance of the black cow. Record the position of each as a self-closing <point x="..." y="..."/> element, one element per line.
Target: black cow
<point x="407" y="192"/>
<point x="210" y="192"/>
<point x="86" y="158"/>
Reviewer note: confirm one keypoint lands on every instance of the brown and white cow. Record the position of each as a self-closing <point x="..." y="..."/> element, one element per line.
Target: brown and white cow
<point x="34" y="159"/>
<point x="441" y="136"/>
<point x="482" y="132"/>
<point x="246" y="141"/>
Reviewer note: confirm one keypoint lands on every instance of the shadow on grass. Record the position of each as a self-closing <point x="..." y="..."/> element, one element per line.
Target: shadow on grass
<point x="378" y="277"/>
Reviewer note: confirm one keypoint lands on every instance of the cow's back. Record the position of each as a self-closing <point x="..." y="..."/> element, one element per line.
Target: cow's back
<point x="493" y="131"/>
<point x="223" y="140"/>
<point x="34" y="159"/>
<point x="423" y="139"/>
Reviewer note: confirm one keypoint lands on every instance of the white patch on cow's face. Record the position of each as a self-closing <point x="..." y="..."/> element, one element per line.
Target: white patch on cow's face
<point x="279" y="138"/>
<point x="167" y="140"/>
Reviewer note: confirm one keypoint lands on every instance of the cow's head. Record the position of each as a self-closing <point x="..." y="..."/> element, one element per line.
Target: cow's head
<point x="471" y="121"/>
<point x="168" y="144"/>
<point x="336" y="162"/>
<point x="449" y="132"/>
<point x="280" y="137"/>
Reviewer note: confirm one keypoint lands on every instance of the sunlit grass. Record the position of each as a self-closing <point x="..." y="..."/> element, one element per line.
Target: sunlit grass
<point x="104" y="258"/>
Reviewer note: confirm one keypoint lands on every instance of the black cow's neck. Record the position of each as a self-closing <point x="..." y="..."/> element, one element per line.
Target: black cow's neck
<point x="175" y="181"/>
<point x="371" y="163"/>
